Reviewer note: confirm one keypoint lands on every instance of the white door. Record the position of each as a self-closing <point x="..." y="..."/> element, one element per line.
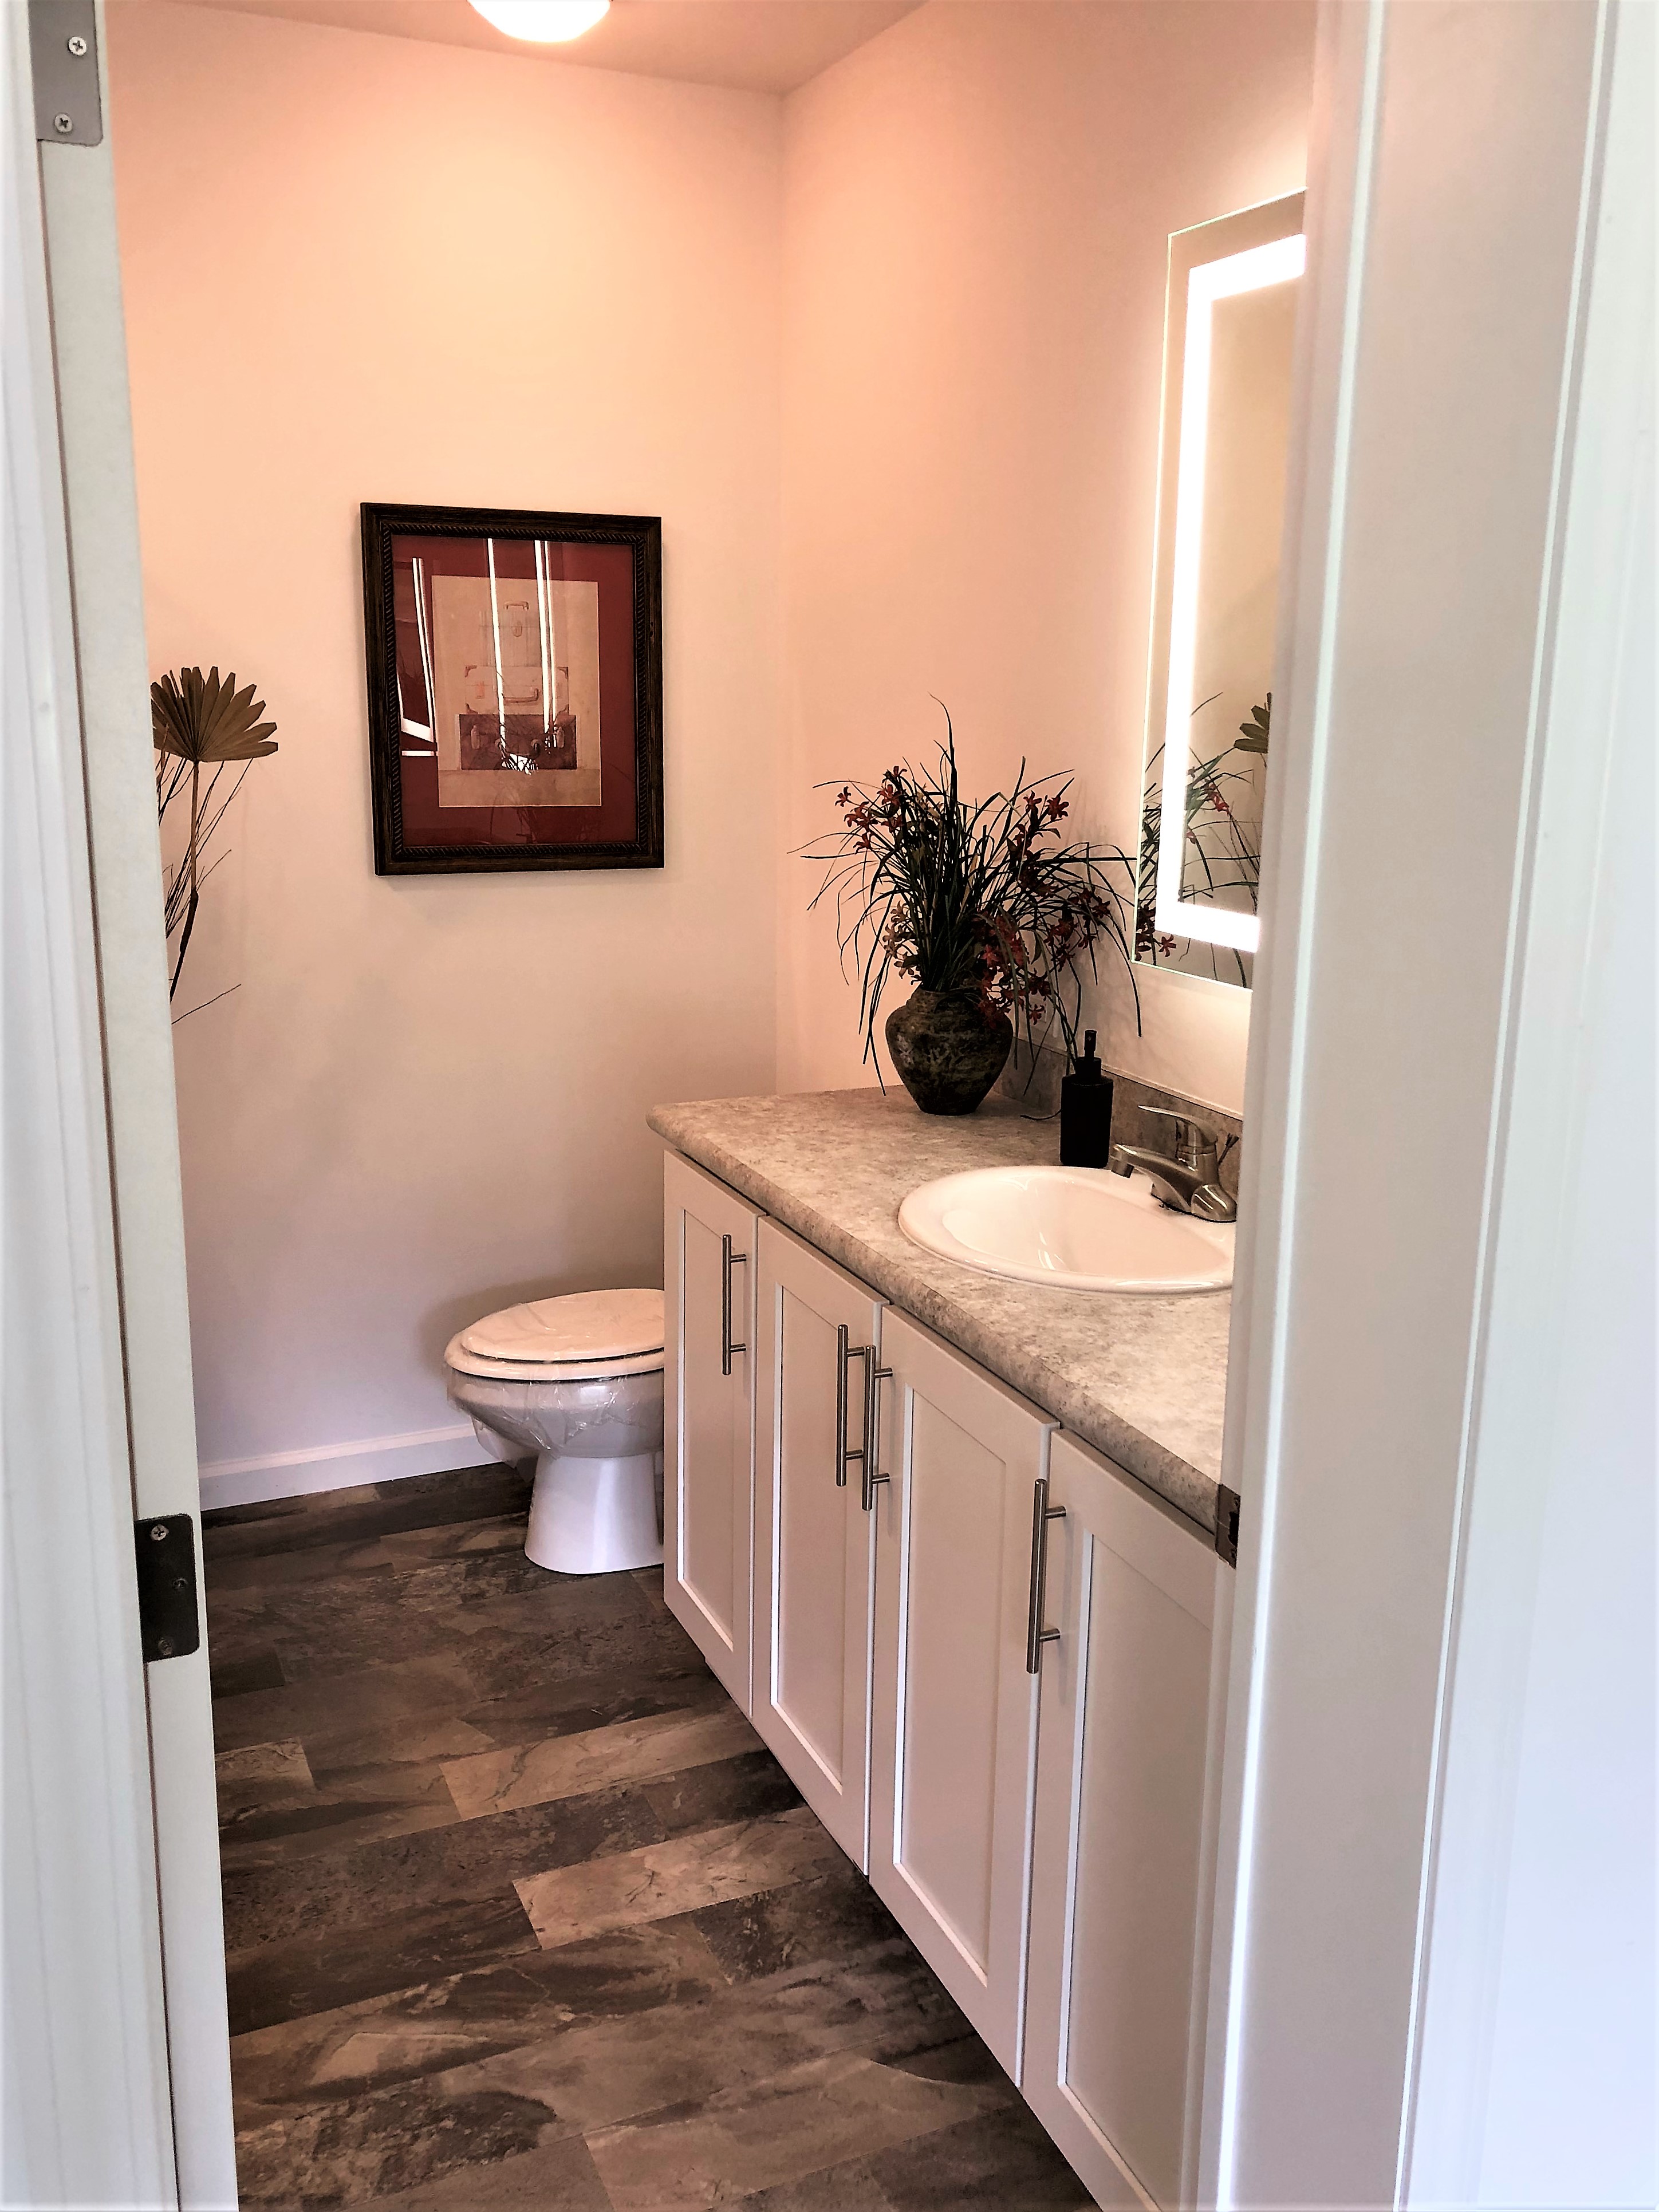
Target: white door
<point x="708" y="1409"/>
<point x="1115" y="1882"/>
<point x="814" y="1529"/>
<point x="118" y="2086"/>
<point x="954" y="1709"/>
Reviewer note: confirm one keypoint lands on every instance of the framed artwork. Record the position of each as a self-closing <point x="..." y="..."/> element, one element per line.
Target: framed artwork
<point x="515" y="689"/>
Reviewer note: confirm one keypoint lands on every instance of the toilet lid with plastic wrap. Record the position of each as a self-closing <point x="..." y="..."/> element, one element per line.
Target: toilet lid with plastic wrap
<point x="589" y="1333"/>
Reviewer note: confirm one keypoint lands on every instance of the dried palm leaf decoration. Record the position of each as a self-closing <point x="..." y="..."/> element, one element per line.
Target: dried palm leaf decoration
<point x="199" y="723"/>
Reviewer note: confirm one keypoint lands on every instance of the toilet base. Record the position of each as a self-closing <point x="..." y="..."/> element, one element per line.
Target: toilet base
<point x="594" y="1516"/>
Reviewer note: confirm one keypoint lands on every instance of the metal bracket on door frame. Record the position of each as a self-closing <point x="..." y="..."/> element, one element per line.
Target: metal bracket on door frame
<point x="69" y="109"/>
<point x="1226" y="1523"/>
<point x="169" y="1619"/>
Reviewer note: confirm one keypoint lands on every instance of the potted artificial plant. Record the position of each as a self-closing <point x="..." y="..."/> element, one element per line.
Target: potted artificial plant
<point x="982" y="906"/>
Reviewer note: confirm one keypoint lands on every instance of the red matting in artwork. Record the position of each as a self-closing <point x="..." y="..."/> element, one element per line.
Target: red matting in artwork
<point x="427" y="824"/>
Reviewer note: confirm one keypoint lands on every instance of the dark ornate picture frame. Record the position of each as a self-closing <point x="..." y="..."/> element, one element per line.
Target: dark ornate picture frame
<point x="489" y="838"/>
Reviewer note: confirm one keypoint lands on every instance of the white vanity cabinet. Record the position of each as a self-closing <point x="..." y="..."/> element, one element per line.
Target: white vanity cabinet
<point x="819" y="1346"/>
<point x="708" y="1417"/>
<point x="986" y="1657"/>
<point x="1114" y="2001"/>
<point x="954" y="1707"/>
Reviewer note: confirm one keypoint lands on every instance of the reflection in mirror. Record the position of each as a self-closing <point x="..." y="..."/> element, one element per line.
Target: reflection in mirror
<point x="1229" y="330"/>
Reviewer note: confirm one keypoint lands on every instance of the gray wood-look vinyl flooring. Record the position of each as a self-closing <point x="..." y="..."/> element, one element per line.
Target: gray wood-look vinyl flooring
<point x="518" y="1912"/>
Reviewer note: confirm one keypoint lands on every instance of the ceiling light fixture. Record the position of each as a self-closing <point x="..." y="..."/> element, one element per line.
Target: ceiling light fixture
<point x="543" y="23"/>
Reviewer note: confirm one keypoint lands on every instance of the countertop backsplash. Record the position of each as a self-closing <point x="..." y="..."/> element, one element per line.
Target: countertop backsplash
<point x="1036" y="1091"/>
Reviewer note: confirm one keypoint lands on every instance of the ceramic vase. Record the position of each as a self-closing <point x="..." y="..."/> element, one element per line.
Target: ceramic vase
<point x="947" y="1048"/>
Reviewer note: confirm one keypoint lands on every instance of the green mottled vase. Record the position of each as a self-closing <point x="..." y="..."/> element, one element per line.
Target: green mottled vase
<point x="947" y="1049"/>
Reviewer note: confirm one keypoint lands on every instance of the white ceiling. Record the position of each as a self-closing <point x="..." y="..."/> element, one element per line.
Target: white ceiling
<point x="758" y="45"/>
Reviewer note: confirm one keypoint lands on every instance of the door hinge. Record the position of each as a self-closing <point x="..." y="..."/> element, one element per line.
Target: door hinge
<point x="1226" y="1523"/>
<point x="169" y="1626"/>
<point x="69" y="109"/>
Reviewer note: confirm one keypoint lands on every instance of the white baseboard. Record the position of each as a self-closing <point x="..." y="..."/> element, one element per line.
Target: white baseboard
<point x="339" y="1466"/>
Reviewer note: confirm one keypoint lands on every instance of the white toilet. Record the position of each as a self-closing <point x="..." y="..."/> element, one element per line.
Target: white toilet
<point x="578" y="1380"/>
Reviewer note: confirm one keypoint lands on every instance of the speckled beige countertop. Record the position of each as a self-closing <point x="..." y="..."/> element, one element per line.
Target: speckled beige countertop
<point x="1142" y="1379"/>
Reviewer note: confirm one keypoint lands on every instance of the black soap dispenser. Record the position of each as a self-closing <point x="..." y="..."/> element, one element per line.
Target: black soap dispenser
<point x="1085" y="1111"/>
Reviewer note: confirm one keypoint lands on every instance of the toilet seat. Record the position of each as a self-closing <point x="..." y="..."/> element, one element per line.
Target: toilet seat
<point x="547" y="1370"/>
<point x="582" y="1338"/>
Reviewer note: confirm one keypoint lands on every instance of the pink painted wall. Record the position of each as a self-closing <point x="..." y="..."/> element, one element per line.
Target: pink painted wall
<point x="923" y="296"/>
<point x="978" y="208"/>
<point x="367" y="268"/>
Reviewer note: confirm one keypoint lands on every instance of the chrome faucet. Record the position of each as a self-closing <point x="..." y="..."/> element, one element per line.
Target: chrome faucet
<point x="1191" y="1182"/>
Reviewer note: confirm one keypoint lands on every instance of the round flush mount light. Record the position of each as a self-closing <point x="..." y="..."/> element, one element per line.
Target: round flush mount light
<point x="543" y="23"/>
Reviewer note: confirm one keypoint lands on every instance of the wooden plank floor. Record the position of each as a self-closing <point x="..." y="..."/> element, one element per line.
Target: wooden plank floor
<point x="519" y="1913"/>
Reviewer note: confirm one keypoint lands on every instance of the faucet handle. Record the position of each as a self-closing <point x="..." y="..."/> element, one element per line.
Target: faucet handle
<point x="1196" y="1145"/>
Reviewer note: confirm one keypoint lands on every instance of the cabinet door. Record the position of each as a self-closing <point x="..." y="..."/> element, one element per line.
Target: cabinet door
<point x="1122" y="1756"/>
<point x="814" y="1533"/>
<point x="708" y="1417"/>
<point x="954" y="1711"/>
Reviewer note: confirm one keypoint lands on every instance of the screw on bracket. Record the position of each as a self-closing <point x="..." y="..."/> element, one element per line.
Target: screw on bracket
<point x="62" y="70"/>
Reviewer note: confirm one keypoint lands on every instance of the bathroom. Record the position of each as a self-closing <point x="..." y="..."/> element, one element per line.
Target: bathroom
<point x="834" y="1790"/>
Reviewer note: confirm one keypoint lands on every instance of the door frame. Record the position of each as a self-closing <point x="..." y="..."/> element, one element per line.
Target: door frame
<point x="128" y="1211"/>
<point x="1427" y="617"/>
<point x="88" y="2116"/>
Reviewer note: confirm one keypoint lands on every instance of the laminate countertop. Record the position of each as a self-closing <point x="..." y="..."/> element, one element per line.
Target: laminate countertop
<point x="1142" y="1379"/>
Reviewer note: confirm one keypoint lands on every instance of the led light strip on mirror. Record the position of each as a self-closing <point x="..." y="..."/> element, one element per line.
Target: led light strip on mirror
<point x="1277" y="262"/>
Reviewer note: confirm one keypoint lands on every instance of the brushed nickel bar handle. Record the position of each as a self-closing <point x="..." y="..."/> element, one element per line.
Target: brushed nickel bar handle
<point x="846" y="1354"/>
<point x="729" y="1258"/>
<point x="842" y="1356"/>
<point x="874" y="1376"/>
<point x="1036" y="1634"/>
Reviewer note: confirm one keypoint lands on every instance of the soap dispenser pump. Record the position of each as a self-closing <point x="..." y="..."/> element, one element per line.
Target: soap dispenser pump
<point x="1085" y="1111"/>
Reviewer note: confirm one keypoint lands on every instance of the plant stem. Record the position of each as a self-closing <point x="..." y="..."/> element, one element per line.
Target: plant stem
<point x="195" y="841"/>
<point x="179" y="964"/>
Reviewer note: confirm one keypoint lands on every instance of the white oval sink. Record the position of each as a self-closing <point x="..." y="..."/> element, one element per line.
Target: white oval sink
<point x="1080" y="1228"/>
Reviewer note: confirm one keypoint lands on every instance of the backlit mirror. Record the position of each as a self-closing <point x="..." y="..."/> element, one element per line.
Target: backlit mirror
<point x="1229" y="330"/>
